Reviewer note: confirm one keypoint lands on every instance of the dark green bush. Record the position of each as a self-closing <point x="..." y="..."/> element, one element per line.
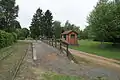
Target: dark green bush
<point x="15" y="36"/>
<point x="21" y="38"/>
<point x="7" y="39"/>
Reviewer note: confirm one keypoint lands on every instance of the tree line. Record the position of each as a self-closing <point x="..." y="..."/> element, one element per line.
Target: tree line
<point x="43" y="25"/>
<point x="8" y="14"/>
<point x="104" y="22"/>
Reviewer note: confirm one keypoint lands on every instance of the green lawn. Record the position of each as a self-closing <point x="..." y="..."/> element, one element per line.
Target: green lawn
<point x="93" y="47"/>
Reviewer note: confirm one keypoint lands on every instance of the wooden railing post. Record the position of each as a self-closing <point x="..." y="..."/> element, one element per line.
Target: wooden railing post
<point x="67" y="50"/>
<point x="52" y="42"/>
<point x="49" y="41"/>
<point x="55" y="43"/>
<point x="60" y="45"/>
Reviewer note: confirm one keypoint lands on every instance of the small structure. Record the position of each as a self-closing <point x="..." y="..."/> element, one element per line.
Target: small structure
<point x="70" y="37"/>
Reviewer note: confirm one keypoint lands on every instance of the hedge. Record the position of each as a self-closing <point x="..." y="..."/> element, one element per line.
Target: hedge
<point x="7" y="39"/>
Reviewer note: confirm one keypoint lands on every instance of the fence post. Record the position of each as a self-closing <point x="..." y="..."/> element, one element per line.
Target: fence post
<point x="55" y="43"/>
<point x="60" y="45"/>
<point x="52" y="42"/>
<point x="49" y="41"/>
<point x="67" y="51"/>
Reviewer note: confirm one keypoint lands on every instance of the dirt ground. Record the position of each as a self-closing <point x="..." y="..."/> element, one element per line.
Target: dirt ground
<point x="97" y="59"/>
<point x="50" y="59"/>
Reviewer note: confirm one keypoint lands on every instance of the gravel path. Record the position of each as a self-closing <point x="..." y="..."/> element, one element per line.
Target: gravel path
<point x="50" y="59"/>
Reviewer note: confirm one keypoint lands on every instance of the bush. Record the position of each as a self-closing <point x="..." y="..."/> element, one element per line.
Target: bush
<point x="15" y="36"/>
<point x="7" y="39"/>
<point x="21" y="38"/>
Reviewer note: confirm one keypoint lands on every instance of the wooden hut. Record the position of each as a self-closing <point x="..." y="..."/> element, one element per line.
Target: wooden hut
<point x="70" y="36"/>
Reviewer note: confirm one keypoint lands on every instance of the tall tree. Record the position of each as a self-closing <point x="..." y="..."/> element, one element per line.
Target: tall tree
<point x="8" y="14"/>
<point x="36" y="24"/>
<point x="69" y="26"/>
<point x="57" y="29"/>
<point x="48" y="29"/>
<point x="104" y="23"/>
<point x="25" y="32"/>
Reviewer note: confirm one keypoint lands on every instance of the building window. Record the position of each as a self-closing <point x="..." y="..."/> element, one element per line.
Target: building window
<point x="72" y="36"/>
<point x="65" y="37"/>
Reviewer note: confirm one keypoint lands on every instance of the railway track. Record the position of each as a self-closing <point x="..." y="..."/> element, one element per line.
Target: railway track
<point x="9" y="68"/>
<point x="6" y="56"/>
<point x="18" y="65"/>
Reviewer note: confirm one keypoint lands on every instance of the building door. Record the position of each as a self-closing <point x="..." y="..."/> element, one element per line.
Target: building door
<point x="72" y="38"/>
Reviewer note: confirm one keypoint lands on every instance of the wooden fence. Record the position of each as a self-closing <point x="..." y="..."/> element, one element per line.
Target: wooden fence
<point x="62" y="45"/>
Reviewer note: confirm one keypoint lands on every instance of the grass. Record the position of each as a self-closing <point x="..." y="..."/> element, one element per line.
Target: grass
<point x="53" y="76"/>
<point x="9" y="64"/>
<point x="93" y="47"/>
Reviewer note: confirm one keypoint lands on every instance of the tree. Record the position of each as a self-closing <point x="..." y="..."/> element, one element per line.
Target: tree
<point x="48" y="28"/>
<point x="69" y="26"/>
<point x="22" y="33"/>
<point x="57" y="29"/>
<point x="104" y="23"/>
<point x="84" y="34"/>
<point x="25" y="31"/>
<point x="37" y="24"/>
<point x="8" y="14"/>
<point x="117" y="1"/>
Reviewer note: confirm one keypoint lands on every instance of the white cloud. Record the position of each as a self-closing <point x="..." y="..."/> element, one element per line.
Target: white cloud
<point x="76" y="11"/>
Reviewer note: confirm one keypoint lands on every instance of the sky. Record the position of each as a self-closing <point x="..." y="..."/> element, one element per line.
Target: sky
<point x="76" y="11"/>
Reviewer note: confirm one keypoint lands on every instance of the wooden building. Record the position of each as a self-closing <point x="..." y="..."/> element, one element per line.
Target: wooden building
<point x="70" y="37"/>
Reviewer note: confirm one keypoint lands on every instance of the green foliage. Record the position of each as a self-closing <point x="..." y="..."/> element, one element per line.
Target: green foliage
<point x="104" y="21"/>
<point x="15" y="36"/>
<point x="36" y="27"/>
<point x="21" y="38"/>
<point x="6" y="39"/>
<point x="69" y="26"/>
<point x="8" y="14"/>
<point x="22" y="33"/>
<point x="51" y="76"/>
<point x="25" y="31"/>
<point x="57" y="29"/>
<point x="41" y="24"/>
<point x="48" y="29"/>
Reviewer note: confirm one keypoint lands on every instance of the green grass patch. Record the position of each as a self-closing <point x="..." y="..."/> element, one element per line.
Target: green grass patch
<point x="93" y="47"/>
<point x="53" y="76"/>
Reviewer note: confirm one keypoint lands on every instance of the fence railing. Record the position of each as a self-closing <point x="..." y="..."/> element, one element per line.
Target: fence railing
<point x="62" y="45"/>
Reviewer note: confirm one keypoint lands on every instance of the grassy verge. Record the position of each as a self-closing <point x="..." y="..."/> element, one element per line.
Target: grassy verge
<point x="93" y="47"/>
<point x="53" y="76"/>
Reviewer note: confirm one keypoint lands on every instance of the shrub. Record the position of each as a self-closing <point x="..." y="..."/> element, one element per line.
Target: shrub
<point x="7" y="39"/>
<point x="15" y="36"/>
<point x="21" y="38"/>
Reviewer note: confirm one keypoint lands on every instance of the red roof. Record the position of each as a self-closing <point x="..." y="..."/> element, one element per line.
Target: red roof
<point x="67" y="32"/>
